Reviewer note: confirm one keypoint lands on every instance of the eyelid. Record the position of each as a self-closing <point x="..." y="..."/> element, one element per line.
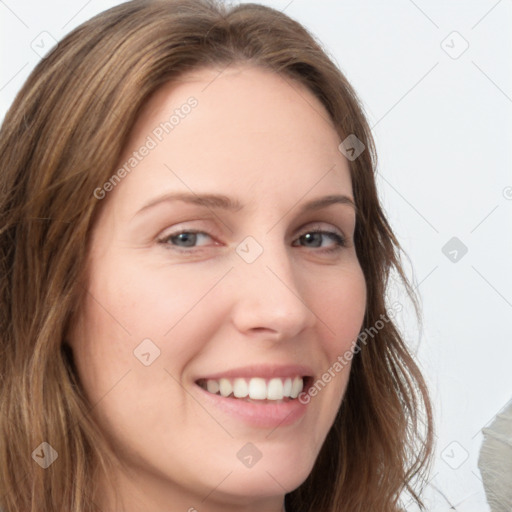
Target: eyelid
<point x="321" y="226"/>
<point x="182" y="227"/>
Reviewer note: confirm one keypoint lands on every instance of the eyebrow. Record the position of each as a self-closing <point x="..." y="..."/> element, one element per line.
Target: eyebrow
<point x="214" y="201"/>
<point x="219" y="201"/>
<point x="323" y="202"/>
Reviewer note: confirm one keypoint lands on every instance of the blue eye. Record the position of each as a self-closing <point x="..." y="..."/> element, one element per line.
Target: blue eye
<point x="184" y="238"/>
<point x="313" y="239"/>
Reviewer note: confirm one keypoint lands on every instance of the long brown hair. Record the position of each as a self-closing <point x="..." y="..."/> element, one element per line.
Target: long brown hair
<point x="61" y="139"/>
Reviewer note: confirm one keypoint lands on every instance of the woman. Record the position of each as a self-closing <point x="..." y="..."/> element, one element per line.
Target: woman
<point x="195" y="263"/>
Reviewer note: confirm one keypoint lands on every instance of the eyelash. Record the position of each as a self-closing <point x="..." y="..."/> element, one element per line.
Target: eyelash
<point x="340" y="241"/>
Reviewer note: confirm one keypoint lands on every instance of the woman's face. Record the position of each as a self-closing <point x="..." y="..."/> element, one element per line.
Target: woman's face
<point x="223" y="256"/>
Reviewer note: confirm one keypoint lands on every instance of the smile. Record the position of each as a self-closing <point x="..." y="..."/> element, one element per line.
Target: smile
<point x="276" y="389"/>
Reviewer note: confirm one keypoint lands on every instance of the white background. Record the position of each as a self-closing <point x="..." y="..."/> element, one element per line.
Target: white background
<point x="443" y="131"/>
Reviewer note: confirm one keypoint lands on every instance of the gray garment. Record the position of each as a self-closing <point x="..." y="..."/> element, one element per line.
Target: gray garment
<point x="495" y="461"/>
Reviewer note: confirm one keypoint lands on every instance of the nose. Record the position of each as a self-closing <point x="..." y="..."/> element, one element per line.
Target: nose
<point x="270" y="297"/>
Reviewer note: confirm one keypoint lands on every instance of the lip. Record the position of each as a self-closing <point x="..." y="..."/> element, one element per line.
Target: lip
<point x="265" y="415"/>
<point x="264" y="371"/>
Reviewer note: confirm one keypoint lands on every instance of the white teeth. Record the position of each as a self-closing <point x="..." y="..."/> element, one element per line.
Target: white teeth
<point x="240" y="388"/>
<point x="212" y="386"/>
<point x="296" y="387"/>
<point x="225" y="387"/>
<point x="275" y="389"/>
<point x="256" y="388"/>
<point x="287" y="388"/>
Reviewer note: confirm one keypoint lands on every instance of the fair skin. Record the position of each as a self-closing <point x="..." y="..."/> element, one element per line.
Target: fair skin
<point x="270" y="146"/>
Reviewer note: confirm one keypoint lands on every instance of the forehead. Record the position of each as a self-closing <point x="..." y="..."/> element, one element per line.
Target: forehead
<point x="242" y="127"/>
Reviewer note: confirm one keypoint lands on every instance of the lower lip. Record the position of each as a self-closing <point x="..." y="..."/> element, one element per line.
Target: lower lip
<point x="266" y="415"/>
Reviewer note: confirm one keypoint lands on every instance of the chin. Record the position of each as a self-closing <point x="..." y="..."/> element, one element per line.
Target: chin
<point x="242" y="485"/>
<point x="275" y="477"/>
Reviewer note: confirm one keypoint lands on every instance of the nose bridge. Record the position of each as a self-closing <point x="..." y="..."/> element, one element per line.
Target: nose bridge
<point x="269" y="264"/>
<point x="269" y="295"/>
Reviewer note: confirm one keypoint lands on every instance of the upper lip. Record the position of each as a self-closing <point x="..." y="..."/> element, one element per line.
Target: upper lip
<point x="262" y="370"/>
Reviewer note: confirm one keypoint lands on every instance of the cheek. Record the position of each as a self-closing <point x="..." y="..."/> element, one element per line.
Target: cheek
<point x="125" y="308"/>
<point x="149" y="302"/>
<point x="340" y="304"/>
